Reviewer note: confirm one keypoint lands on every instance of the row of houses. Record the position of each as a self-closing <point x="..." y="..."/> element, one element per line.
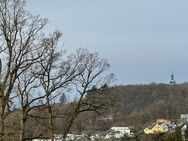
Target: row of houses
<point x="114" y="132"/>
<point x="160" y="126"/>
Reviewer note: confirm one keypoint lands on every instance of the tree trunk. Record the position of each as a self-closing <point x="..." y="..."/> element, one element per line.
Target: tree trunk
<point x="72" y="118"/>
<point x="71" y="121"/>
<point x="2" y="130"/>
<point x="2" y="109"/>
<point x="50" y="121"/>
<point x="51" y="126"/>
<point x="2" y="120"/>
<point x="68" y="127"/>
<point x="22" y="128"/>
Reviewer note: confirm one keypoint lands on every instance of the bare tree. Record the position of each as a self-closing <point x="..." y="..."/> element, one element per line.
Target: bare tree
<point x="56" y="73"/>
<point x="21" y="47"/>
<point x="93" y="74"/>
<point x="29" y="98"/>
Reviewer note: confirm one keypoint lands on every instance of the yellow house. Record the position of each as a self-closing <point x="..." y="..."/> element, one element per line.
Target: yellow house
<point x="156" y="129"/>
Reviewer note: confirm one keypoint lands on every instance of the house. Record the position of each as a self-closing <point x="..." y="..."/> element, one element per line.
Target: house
<point x="184" y="118"/>
<point x="124" y="130"/>
<point x="165" y="121"/>
<point x="156" y="129"/>
<point x="161" y="126"/>
<point x="58" y="137"/>
<point x="119" y="132"/>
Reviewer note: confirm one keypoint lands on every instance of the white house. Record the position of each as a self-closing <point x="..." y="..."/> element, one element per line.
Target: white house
<point x="119" y="132"/>
<point x="184" y="117"/>
<point x="124" y="130"/>
<point x="59" y="137"/>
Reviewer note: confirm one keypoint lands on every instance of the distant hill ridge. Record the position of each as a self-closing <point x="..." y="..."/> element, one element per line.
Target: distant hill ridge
<point x="145" y="103"/>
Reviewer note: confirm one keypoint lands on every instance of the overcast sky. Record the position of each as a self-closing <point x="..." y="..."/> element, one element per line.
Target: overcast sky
<point x="144" y="40"/>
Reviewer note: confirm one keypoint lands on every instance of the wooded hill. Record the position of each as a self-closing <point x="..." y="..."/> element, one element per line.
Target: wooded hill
<point x="139" y="105"/>
<point x="132" y="105"/>
<point x="143" y="103"/>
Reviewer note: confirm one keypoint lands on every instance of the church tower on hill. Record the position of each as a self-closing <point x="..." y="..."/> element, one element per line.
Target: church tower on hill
<point x="172" y="81"/>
